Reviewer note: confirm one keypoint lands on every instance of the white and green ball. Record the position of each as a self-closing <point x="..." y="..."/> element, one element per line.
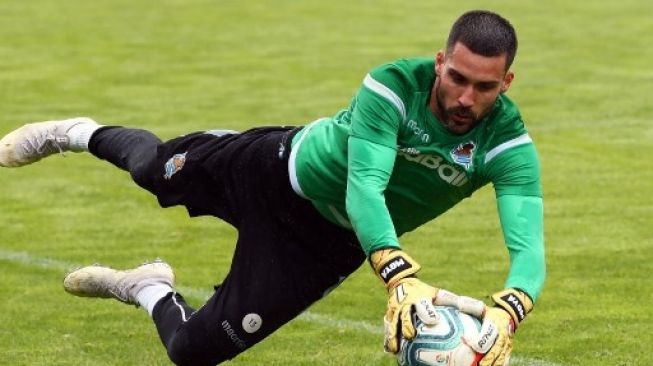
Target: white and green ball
<point x="441" y="344"/>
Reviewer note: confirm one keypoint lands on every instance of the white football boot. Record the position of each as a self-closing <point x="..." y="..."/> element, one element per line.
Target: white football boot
<point x="34" y="141"/>
<point x="105" y="282"/>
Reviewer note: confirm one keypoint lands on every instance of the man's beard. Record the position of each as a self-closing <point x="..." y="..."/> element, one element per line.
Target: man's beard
<point x="464" y="112"/>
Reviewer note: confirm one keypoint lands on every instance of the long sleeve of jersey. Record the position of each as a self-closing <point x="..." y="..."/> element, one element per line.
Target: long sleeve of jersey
<point x="519" y="201"/>
<point x="372" y="148"/>
<point x="370" y="167"/>
<point x="521" y="221"/>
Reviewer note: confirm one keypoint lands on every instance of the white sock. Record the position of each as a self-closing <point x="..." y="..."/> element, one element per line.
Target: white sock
<point x="148" y="296"/>
<point x="80" y="135"/>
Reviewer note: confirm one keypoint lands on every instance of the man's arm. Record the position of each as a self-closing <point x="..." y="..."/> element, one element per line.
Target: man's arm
<point x="522" y="224"/>
<point x="371" y="153"/>
<point x="370" y="167"/>
<point x="376" y="116"/>
<point x="515" y="173"/>
<point x="521" y="220"/>
<point x="516" y="177"/>
<point x="371" y="157"/>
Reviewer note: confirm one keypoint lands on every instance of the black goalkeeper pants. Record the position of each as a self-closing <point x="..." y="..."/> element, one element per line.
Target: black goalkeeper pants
<point x="287" y="256"/>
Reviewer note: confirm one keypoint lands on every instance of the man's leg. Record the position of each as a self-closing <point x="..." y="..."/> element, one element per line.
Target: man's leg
<point x="133" y="150"/>
<point x="270" y="283"/>
<point x="183" y="345"/>
<point x="153" y="165"/>
<point x="149" y="285"/>
<point x="128" y="149"/>
<point x="286" y="258"/>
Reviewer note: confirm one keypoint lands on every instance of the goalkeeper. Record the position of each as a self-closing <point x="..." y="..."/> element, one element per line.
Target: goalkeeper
<point x="312" y="204"/>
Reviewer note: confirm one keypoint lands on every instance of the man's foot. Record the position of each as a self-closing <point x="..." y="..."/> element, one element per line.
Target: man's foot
<point x="34" y="141"/>
<point x="105" y="282"/>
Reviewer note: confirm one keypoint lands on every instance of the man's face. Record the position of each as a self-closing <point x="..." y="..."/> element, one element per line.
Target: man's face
<point x="467" y="87"/>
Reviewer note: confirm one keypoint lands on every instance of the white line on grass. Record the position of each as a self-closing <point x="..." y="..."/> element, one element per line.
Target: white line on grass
<point x="29" y="260"/>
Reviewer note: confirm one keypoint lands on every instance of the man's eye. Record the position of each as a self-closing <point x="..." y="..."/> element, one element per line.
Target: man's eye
<point x="458" y="79"/>
<point x="485" y="87"/>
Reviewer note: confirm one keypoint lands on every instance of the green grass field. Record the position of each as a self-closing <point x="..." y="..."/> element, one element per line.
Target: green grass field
<point x="584" y="82"/>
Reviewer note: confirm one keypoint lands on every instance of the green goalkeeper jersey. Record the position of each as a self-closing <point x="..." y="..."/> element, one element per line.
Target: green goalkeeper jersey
<point x="387" y="165"/>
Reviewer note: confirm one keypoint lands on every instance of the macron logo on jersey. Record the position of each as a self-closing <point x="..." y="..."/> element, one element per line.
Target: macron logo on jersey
<point x="419" y="131"/>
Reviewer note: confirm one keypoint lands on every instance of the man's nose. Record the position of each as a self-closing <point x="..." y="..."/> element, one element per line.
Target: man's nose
<point x="466" y="99"/>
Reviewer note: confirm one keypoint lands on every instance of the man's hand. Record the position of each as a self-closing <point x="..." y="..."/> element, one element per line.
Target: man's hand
<point x="397" y="271"/>
<point x="407" y="293"/>
<point x="499" y="324"/>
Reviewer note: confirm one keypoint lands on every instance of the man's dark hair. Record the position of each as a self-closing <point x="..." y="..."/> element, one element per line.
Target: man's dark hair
<point x="485" y="33"/>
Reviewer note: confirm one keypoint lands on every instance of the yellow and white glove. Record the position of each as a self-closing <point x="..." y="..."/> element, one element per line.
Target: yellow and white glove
<point x="397" y="271"/>
<point x="407" y="294"/>
<point x="499" y="324"/>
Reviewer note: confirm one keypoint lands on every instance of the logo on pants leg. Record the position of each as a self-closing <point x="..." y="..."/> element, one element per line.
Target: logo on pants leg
<point x="252" y="322"/>
<point x="233" y="336"/>
<point x="174" y="164"/>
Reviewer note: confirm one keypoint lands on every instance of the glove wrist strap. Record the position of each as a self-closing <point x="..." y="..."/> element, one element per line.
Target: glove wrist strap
<point x="391" y="265"/>
<point x="515" y="302"/>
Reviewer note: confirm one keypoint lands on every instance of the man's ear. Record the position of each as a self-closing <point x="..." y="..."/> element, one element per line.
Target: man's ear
<point x="439" y="62"/>
<point x="507" y="81"/>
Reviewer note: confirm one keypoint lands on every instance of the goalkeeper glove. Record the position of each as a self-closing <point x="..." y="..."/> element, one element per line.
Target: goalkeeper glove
<point x="499" y="324"/>
<point x="407" y="293"/>
<point x="397" y="271"/>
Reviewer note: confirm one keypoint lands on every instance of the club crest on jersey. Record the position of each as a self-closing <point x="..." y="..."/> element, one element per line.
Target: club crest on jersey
<point x="174" y="164"/>
<point x="463" y="154"/>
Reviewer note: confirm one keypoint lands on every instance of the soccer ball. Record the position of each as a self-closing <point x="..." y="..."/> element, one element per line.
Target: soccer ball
<point x="441" y="344"/>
